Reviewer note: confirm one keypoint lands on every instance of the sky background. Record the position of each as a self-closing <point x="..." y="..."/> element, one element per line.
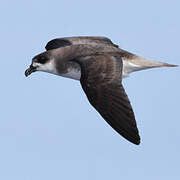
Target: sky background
<point x="48" y="130"/>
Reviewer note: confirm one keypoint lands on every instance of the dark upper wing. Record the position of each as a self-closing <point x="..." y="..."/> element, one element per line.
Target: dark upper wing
<point x="101" y="81"/>
<point x="62" y="42"/>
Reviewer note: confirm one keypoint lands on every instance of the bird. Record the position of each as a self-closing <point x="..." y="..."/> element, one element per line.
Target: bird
<point x="99" y="65"/>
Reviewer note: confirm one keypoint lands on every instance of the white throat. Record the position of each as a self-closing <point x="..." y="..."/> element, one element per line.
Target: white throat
<point x="47" y="67"/>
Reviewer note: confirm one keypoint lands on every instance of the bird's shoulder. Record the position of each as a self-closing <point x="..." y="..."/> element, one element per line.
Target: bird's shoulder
<point x="67" y="41"/>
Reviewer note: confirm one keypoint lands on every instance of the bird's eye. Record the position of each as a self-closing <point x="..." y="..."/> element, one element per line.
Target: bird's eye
<point x="42" y="59"/>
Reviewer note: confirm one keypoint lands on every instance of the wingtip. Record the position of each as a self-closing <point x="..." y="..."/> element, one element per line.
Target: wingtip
<point x="136" y="142"/>
<point x="135" y="139"/>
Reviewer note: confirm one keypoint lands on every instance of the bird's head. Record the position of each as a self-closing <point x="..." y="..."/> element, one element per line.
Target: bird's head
<point x="41" y="62"/>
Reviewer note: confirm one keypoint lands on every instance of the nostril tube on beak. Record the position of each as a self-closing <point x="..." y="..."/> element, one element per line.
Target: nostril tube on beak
<point x="29" y="70"/>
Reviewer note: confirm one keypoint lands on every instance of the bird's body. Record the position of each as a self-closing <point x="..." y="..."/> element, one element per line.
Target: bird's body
<point x="96" y="45"/>
<point x="100" y="66"/>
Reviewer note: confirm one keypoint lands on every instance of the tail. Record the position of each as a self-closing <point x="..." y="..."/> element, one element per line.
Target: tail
<point x="145" y="63"/>
<point x="137" y="63"/>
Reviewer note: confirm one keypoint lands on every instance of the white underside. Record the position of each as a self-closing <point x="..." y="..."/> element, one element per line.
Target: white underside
<point x="128" y="68"/>
<point x="72" y="74"/>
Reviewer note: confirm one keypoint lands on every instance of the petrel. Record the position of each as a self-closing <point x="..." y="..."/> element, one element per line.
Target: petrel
<point x="100" y="65"/>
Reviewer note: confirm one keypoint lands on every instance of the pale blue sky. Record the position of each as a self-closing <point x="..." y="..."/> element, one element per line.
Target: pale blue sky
<point x="48" y="130"/>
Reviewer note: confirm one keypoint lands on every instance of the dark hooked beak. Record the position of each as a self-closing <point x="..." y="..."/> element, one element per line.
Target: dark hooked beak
<point x="30" y="70"/>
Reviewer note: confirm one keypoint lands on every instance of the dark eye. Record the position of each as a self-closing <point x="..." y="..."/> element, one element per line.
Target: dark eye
<point x="42" y="59"/>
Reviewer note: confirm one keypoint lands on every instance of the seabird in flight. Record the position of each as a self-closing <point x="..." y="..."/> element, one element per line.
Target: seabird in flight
<point x="100" y="66"/>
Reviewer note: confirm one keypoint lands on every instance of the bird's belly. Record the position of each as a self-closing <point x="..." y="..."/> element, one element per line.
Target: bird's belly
<point x="128" y="68"/>
<point x="77" y="75"/>
<point x="72" y="74"/>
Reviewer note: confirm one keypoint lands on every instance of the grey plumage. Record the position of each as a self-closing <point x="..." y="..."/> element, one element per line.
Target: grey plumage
<point x="100" y="66"/>
<point x="62" y="42"/>
<point x="101" y="81"/>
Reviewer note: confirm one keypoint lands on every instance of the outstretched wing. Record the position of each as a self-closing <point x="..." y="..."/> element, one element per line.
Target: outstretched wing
<point x="101" y="81"/>
<point x="62" y="42"/>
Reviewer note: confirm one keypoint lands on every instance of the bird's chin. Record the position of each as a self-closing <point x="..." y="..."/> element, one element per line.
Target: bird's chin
<point x="30" y="70"/>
